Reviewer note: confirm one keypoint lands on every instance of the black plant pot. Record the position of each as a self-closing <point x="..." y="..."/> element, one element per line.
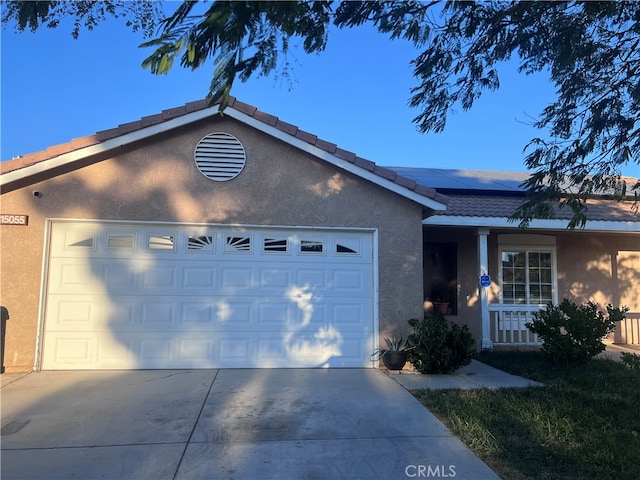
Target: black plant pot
<point x="394" y="360"/>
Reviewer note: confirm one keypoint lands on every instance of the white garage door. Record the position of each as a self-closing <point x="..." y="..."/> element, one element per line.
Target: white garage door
<point x="126" y="296"/>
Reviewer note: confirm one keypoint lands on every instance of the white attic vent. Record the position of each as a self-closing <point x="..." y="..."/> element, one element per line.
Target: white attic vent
<point x="220" y="156"/>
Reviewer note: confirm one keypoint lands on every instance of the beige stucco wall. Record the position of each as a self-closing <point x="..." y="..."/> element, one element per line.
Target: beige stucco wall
<point x="601" y="267"/>
<point x="157" y="180"/>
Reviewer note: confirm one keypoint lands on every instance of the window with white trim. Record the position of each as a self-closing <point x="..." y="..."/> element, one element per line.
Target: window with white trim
<point x="527" y="276"/>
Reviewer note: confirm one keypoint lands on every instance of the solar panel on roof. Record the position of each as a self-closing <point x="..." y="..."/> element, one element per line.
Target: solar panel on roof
<point x="464" y="179"/>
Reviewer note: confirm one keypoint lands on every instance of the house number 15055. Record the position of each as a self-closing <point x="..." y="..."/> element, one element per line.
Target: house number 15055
<point x="11" y="219"/>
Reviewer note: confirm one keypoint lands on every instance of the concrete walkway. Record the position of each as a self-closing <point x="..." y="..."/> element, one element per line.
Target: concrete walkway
<point x="480" y="375"/>
<point x="474" y="375"/>
<point x="224" y="424"/>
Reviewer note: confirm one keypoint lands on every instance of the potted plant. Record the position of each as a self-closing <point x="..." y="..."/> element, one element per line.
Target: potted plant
<point x="440" y="296"/>
<point x="394" y="356"/>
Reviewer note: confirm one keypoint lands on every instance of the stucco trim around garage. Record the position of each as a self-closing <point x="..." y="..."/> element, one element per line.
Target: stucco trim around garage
<point x="19" y="170"/>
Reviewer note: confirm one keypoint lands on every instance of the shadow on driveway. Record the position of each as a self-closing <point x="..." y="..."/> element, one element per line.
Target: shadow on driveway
<point x="233" y="424"/>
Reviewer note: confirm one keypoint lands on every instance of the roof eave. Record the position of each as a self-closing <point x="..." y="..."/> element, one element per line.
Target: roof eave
<point x="539" y="224"/>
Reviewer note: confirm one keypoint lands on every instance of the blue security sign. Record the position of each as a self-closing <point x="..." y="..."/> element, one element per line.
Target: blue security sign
<point x="485" y="281"/>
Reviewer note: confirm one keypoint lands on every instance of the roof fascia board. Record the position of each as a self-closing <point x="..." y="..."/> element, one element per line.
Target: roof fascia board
<point x="497" y="222"/>
<point x="336" y="161"/>
<point x="119" y="141"/>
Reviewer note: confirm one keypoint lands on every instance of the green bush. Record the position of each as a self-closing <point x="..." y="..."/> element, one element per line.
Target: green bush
<point x="437" y="347"/>
<point x="573" y="333"/>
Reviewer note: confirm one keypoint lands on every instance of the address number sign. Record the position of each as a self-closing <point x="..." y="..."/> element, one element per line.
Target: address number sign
<point x="13" y="219"/>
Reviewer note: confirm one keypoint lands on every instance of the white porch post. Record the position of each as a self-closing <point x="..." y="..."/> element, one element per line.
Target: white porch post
<point x="483" y="269"/>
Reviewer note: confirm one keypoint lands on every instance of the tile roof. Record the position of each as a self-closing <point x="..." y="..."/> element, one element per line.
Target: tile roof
<point x="467" y="193"/>
<point x="450" y="181"/>
<point x="271" y="120"/>
<point x="500" y="206"/>
<point x="497" y="194"/>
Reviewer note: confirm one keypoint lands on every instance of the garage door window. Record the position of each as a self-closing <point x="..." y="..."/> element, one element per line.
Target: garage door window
<point x="349" y="246"/>
<point x="200" y="243"/>
<point x="161" y="242"/>
<point x="311" y="246"/>
<point x="275" y="245"/>
<point x="237" y="244"/>
<point x="80" y="239"/>
<point x="119" y="242"/>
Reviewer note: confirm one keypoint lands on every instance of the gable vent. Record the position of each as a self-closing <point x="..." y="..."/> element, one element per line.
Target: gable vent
<point x="220" y="156"/>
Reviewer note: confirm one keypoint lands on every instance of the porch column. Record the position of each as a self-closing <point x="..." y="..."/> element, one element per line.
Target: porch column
<point x="483" y="269"/>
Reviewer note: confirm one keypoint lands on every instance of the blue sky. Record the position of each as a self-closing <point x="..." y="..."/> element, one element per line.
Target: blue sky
<point x="354" y="94"/>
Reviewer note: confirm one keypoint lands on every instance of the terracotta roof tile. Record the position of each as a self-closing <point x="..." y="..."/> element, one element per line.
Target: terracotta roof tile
<point x="406" y="182"/>
<point x="366" y="164"/>
<point x="174" y="112"/>
<point x="326" y="146"/>
<point x="13" y="164"/>
<point x="243" y="107"/>
<point x="427" y="191"/>
<point x="307" y="137"/>
<point x="107" y="134"/>
<point x="83" y="142"/>
<point x="36" y="157"/>
<point x="56" y="150"/>
<point x="265" y="118"/>
<point x="151" y="120"/>
<point x="286" y="127"/>
<point x="129" y="127"/>
<point x="197" y="105"/>
<point x="345" y="155"/>
<point x="385" y="173"/>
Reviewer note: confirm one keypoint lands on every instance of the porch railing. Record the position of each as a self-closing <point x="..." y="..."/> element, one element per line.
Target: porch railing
<point x="628" y="330"/>
<point x="508" y="324"/>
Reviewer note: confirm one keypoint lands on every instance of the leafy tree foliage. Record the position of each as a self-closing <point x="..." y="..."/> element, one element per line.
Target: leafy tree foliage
<point x="141" y="15"/>
<point x="590" y="50"/>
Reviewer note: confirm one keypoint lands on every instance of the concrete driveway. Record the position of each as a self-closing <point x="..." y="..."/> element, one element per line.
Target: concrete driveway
<point x="231" y="424"/>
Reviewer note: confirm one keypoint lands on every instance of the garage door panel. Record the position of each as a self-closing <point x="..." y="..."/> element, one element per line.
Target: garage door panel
<point x="274" y="314"/>
<point x="197" y="350"/>
<point x="160" y="277"/>
<point x="136" y="296"/>
<point x="199" y="278"/>
<point x="88" y="312"/>
<point x="223" y="350"/>
<point x="350" y="316"/>
<point x="158" y="313"/>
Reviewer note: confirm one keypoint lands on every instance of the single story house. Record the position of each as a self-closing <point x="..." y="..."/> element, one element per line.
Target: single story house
<point x="195" y="239"/>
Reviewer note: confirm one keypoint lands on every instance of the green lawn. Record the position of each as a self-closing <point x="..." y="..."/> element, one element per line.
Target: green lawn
<point x="584" y="424"/>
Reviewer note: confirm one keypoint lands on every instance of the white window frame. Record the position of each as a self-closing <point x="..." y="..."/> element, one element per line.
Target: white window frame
<point x="530" y="249"/>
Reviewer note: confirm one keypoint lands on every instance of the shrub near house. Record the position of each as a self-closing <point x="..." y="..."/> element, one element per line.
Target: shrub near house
<point x="573" y="333"/>
<point x="439" y="347"/>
